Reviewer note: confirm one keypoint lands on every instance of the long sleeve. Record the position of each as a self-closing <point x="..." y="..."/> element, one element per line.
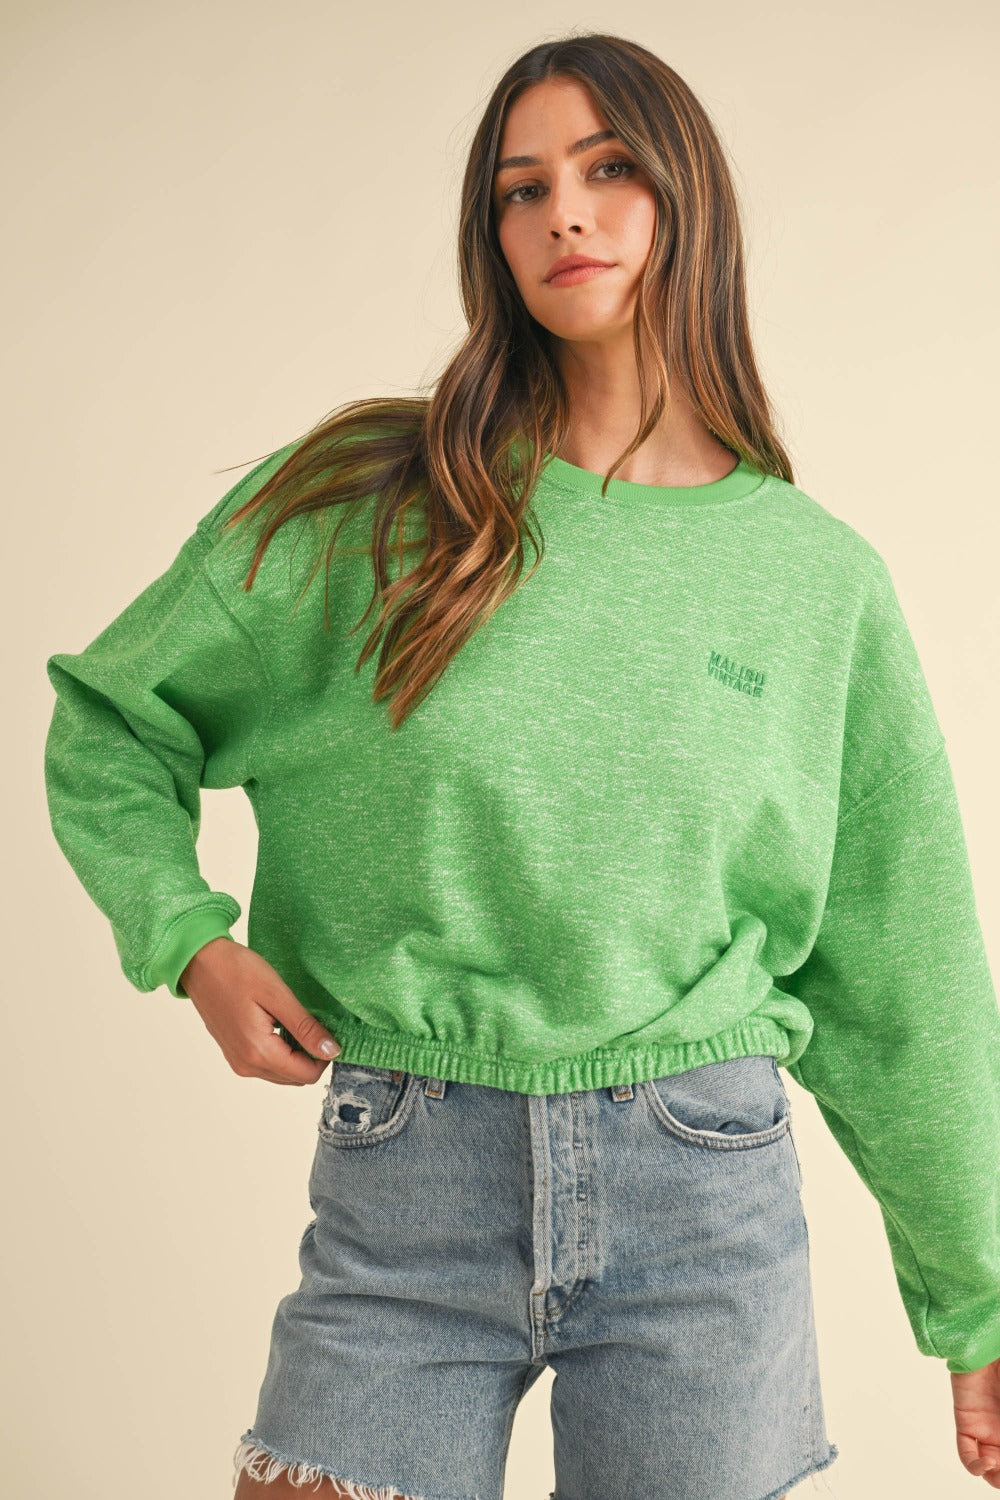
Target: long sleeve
<point x="904" y="1058"/>
<point x="162" y="703"/>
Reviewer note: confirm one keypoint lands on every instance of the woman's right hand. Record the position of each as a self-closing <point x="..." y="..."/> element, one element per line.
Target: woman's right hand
<point x="239" y="996"/>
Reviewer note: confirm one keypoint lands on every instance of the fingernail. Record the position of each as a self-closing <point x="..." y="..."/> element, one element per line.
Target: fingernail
<point x="329" y="1048"/>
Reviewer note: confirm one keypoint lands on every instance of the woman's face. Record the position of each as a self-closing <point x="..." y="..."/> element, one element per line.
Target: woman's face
<point x="593" y="200"/>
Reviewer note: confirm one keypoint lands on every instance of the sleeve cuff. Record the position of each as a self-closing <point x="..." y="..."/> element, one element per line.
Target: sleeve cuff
<point x="182" y="942"/>
<point x="984" y="1353"/>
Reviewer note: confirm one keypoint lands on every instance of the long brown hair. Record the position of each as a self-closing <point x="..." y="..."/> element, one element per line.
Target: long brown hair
<point x="463" y="462"/>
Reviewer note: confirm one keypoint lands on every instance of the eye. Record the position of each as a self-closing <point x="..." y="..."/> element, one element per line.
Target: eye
<point x="616" y="161"/>
<point x="609" y="161"/>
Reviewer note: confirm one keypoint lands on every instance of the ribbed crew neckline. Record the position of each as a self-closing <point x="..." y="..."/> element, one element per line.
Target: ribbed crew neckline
<point x="738" y="483"/>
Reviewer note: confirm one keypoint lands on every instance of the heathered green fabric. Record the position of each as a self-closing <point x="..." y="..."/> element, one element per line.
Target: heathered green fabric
<point x="684" y="797"/>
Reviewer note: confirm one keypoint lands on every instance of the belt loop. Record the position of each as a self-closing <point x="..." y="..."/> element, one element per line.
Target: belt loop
<point x="621" y="1091"/>
<point x="434" y="1088"/>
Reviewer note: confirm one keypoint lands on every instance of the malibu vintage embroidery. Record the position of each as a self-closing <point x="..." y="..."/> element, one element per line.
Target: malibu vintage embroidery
<point x="731" y="674"/>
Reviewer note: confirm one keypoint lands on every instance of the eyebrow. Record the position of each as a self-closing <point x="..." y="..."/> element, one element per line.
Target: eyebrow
<point x="574" y="150"/>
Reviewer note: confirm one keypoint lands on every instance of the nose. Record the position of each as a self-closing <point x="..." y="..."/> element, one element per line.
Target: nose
<point x="567" y="213"/>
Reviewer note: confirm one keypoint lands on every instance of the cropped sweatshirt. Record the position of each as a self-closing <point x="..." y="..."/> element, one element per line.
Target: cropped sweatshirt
<point x="683" y="797"/>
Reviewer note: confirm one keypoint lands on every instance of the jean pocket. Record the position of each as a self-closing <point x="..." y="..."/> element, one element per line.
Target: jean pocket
<point x="363" y="1105"/>
<point x="733" y="1105"/>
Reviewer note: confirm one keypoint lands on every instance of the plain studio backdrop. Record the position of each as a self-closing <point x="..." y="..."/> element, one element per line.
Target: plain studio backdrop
<point x="225" y="220"/>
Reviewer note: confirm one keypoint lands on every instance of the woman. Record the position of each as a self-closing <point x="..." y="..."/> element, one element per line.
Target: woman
<point x="638" y="825"/>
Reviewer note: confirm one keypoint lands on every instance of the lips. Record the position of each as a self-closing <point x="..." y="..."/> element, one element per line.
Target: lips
<point x="576" y="263"/>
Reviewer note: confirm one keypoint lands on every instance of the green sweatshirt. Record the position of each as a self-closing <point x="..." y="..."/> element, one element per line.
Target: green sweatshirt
<point x="683" y="797"/>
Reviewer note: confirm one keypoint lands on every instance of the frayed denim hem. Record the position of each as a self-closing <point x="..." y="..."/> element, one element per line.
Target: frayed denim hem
<point x="265" y="1464"/>
<point x="812" y="1470"/>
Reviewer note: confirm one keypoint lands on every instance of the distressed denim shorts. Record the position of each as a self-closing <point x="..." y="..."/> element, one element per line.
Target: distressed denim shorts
<point x="646" y="1240"/>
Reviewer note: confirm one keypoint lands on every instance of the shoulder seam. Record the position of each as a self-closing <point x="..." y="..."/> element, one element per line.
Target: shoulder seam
<point x="266" y="677"/>
<point x="231" y="494"/>
<point x="907" y="770"/>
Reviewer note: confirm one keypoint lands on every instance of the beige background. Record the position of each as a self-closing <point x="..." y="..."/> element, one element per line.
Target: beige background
<point x="223" y="221"/>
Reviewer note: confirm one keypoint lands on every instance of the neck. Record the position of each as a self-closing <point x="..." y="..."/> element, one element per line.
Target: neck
<point x="679" y="451"/>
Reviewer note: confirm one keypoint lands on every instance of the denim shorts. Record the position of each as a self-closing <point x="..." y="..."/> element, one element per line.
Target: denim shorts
<point x="645" y="1240"/>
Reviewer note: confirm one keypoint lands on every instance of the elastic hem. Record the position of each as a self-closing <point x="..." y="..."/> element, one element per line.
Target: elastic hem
<point x="373" y="1047"/>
